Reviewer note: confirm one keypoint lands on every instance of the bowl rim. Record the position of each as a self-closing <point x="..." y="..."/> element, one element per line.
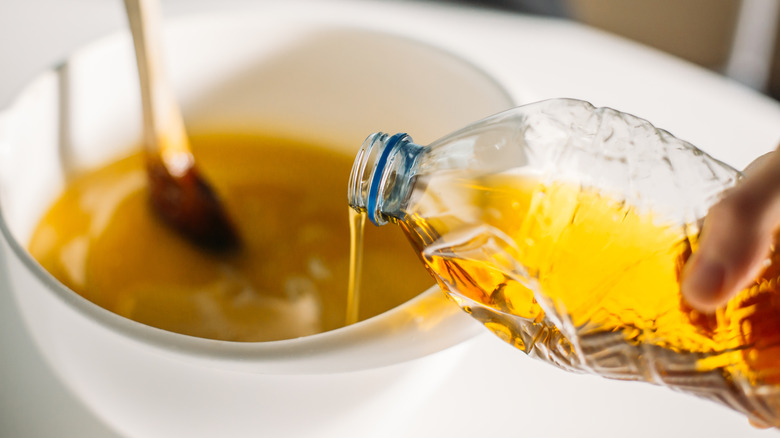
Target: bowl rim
<point x="304" y="354"/>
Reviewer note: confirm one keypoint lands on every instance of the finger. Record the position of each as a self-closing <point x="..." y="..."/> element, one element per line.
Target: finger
<point x="736" y="238"/>
<point x="758" y="424"/>
<point x="758" y="163"/>
<point x="730" y="254"/>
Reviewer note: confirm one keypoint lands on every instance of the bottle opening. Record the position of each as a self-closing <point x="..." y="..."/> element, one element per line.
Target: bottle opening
<point x="381" y="175"/>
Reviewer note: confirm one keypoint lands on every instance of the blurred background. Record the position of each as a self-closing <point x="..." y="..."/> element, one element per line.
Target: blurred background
<point x="738" y="38"/>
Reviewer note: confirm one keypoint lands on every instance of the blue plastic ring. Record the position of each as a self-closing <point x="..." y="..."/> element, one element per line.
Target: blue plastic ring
<point x="373" y="189"/>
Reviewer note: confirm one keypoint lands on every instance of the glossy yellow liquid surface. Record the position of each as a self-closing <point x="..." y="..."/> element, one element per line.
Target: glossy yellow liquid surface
<point x="290" y="277"/>
<point x="586" y="282"/>
<point x="357" y="231"/>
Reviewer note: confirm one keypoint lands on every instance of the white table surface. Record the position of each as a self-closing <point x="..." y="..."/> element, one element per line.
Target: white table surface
<point x="498" y="391"/>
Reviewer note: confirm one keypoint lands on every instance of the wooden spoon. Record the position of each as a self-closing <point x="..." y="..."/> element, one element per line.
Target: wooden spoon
<point x="178" y="192"/>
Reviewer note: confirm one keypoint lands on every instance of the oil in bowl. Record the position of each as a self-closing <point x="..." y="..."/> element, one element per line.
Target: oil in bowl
<point x="288" y="279"/>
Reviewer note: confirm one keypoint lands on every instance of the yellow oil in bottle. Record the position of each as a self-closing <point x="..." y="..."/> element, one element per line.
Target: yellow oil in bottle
<point x="577" y="278"/>
<point x="290" y="276"/>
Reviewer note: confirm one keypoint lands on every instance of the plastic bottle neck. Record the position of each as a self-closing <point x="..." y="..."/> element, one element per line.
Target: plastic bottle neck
<point x="382" y="176"/>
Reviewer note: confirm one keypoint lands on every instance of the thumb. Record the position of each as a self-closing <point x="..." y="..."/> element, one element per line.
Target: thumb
<point x="736" y="238"/>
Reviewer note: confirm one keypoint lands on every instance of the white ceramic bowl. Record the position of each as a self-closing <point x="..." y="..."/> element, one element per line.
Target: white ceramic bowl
<point x="284" y="76"/>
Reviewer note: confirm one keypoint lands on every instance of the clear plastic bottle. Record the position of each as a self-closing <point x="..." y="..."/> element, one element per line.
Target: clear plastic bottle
<point x="563" y="228"/>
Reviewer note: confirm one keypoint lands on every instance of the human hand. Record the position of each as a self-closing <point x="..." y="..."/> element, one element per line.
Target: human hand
<point x="736" y="238"/>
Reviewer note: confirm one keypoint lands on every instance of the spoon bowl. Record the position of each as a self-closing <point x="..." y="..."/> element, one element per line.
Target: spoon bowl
<point x="179" y="193"/>
<point x="309" y="77"/>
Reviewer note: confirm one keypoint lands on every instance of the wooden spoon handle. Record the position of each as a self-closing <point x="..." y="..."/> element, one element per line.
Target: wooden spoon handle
<point x="178" y="193"/>
<point x="164" y="132"/>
